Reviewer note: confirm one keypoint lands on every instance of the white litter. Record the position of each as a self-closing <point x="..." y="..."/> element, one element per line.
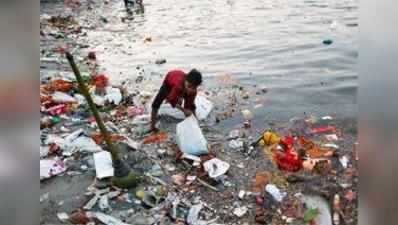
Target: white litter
<point x="107" y="220"/>
<point x="113" y="95"/>
<point x="193" y="214"/>
<point x="235" y="144"/>
<point x="60" y="97"/>
<point x="203" y="107"/>
<point x="234" y="134"/>
<point x="103" y="202"/>
<point x="317" y="202"/>
<point x="113" y="194"/>
<point x="87" y="144"/>
<point x="72" y="136"/>
<point x="191" y="157"/>
<point x="45" y="16"/>
<point x="215" y="167"/>
<point x="44" y="197"/>
<point x="73" y="143"/>
<point x="90" y="204"/>
<point x="44" y="150"/>
<point x="63" y="217"/>
<point x="141" y="120"/>
<point x="327" y="118"/>
<point x="240" y="165"/>
<point x="239" y="212"/>
<point x="331" y="137"/>
<point x="330" y="145"/>
<point x="98" y="100"/>
<point x="161" y="151"/>
<point x="190" y="179"/>
<point x="80" y="99"/>
<point x="241" y="194"/>
<point x="51" y="167"/>
<point x="275" y="192"/>
<point x="190" y="138"/>
<point x="247" y="114"/>
<point x="344" y="161"/>
<point x="133" y="144"/>
<point x="258" y="106"/>
<point x="103" y="164"/>
<point x="334" y="25"/>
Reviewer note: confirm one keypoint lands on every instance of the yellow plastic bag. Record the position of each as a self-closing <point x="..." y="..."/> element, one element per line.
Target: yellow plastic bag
<point x="269" y="138"/>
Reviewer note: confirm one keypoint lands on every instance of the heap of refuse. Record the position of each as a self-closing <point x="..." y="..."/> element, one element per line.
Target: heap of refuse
<point x="309" y="179"/>
<point x="302" y="171"/>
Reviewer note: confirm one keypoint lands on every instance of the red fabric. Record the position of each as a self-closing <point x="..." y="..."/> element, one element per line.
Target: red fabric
<point x="289" y="140"/>
<point x="100" y="80"/>
<point x="175" y="80"/>
<point x="288" y="160"/>
<point x="323" y="129"/>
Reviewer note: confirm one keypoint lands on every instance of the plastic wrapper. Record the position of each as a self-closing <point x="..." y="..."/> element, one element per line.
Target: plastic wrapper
<point x="58" y="109"/>
<point x="51" y="167"/>
<point x="61" y="85"/>
<point x="157" y="137"/>
<point x="216" y="167"/>
<point x="275" y="192"/>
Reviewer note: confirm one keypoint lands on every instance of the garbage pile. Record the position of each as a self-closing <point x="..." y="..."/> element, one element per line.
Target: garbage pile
<point x="312" y="180"/>
<point x="300" y="172"/>
<point x="188" y="171"/>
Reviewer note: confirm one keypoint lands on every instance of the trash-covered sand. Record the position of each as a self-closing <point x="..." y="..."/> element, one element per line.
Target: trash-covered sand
<point x="302" y="170"/>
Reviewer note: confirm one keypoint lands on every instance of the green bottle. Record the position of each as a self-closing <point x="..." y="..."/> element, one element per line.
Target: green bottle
<point x="55" y="119"/>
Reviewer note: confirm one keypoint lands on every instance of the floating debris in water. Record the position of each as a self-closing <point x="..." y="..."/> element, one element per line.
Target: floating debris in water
<point x="160" y="61"/>
<point x="327" y="41"/>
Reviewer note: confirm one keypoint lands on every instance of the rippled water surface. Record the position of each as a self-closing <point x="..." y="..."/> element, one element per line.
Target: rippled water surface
<point x="272" y="43"/>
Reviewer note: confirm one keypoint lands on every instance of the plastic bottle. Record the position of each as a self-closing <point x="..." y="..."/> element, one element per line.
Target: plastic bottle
<point x="336" y="209"/>
<point x="336" y="218"/>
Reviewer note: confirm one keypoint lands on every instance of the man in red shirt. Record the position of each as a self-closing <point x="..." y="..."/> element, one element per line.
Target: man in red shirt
<point x="177" y="88"/>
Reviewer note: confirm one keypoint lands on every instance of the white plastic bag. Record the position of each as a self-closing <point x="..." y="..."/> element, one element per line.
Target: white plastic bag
<point x="216" y="167"/>
<point x="190" y="138"/>
<point x="113" y="95"/>
<point x="275" y="192"/>
<point x="203" y="107"/>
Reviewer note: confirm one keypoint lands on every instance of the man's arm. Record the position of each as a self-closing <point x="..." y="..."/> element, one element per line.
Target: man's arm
<point x="189" y="106"/>
<point x="157" y="102"/>
<point x="154" y="118"/>
<point x="187" y="112"/>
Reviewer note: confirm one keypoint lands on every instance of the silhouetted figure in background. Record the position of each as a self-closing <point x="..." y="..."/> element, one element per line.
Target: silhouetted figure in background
<point x="128" y="3"/>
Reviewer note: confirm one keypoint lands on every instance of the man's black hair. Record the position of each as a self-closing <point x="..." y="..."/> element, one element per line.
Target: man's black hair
<point x="194" y="77"/>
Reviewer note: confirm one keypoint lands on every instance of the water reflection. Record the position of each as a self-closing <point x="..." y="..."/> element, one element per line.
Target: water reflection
<point x="274" y="43"/>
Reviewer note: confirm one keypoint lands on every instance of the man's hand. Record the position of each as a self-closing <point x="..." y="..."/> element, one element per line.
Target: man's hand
<point x="187" y="112"/>
<point x="154" y="130"/>
<point x="154" y="119"/>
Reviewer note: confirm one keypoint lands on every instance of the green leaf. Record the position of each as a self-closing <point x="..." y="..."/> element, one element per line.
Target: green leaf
<point x="311" y="214"/>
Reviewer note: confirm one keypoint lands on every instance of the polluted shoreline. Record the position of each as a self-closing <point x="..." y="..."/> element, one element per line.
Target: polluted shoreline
<point x="301" y="170"/>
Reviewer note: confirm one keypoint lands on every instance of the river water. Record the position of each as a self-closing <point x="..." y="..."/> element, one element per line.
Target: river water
<point x="272" y="43"/>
